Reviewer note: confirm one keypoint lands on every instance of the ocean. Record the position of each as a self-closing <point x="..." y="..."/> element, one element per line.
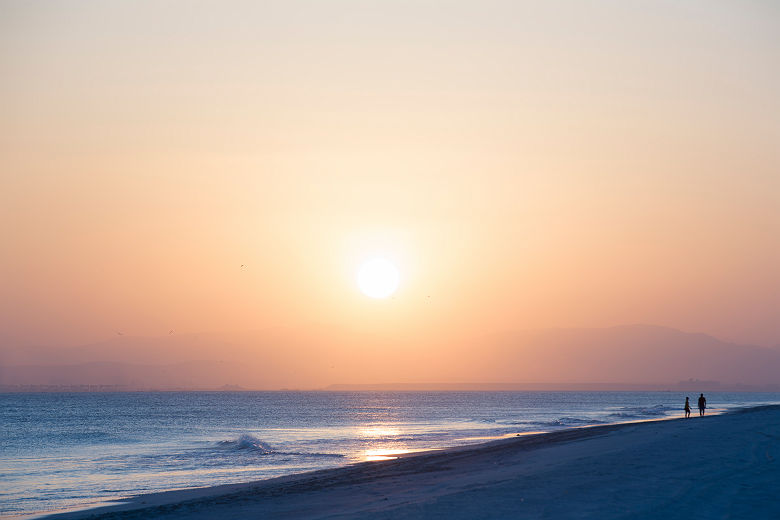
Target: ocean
<point x="70" y="450"/>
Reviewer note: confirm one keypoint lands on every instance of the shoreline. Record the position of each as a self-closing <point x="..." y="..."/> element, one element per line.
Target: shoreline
<point x="447" y="482"/>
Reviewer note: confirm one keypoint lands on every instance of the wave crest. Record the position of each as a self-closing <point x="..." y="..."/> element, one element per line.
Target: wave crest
<point x="250" y="443"/>
<point x="632" y="412"/>
<point x="247" y="442"/>
<point x="570" y="421"/>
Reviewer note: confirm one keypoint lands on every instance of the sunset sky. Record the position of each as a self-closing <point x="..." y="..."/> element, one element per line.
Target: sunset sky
<point x="229" y="166"/>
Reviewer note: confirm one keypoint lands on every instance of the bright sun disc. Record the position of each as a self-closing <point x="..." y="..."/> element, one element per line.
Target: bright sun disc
<point x="378" y="278"/>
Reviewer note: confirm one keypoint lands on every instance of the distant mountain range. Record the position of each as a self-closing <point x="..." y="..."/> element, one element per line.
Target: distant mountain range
<point x="633" y="354"/>
<point x="626" y="357"/>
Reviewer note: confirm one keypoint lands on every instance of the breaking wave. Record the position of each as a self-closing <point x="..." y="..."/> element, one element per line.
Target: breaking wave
<point x="570" y="421"/>
<point x="250" y="443"/>
<point x="247" y="442"/>
<point x="639" y="412"/>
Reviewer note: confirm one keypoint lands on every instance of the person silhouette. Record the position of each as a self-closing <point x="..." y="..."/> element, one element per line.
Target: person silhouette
<point x="687" y="408"/>
<point x="702" y="404"/>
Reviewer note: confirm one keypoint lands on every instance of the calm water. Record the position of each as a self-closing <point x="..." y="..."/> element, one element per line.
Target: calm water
<point x="74" y="449"/>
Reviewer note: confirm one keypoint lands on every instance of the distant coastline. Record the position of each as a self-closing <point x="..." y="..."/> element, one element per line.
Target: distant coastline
<point x="621" y="358"/>
<point x="692" y="385"/>
<point x="681" y="386"/>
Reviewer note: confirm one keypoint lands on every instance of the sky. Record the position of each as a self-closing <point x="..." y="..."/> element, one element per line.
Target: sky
<point x="184" y="167"/>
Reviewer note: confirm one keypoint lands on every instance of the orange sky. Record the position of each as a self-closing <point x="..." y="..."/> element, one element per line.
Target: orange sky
<point x="524" y="164"/>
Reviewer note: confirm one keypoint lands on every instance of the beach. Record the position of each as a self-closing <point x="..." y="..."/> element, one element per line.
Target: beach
<point x="718" y="466"/>
<point x="352" y="259"/>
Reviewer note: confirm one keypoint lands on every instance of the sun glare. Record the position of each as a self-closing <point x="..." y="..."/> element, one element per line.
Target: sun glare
<point x="378" y="278"/>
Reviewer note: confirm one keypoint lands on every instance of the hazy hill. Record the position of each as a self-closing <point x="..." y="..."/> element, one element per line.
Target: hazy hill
<point x="618" y="357"/>
<point x="626" y="354"/>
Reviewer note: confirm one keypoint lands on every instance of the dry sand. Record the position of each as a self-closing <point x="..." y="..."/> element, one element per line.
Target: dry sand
<point x="723" y="466"/>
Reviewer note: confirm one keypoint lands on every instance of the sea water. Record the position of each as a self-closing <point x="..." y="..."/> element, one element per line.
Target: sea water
<point x="68" y="450"/>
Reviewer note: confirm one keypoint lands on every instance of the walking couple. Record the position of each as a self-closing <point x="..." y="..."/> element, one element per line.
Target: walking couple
<point x="702" y="406"/>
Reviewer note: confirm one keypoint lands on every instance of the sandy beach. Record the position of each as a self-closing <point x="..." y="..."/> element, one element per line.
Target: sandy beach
<point x="719" y="466"/>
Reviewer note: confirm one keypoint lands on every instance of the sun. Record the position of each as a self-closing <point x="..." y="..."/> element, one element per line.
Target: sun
<point x="378" y="278"/>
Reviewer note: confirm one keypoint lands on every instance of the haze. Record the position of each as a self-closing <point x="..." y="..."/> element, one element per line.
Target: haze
<point x="180" y="168"/>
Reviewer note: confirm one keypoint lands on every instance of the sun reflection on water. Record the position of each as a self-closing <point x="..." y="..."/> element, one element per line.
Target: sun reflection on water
<point x="385" y="442"/>
<point x="379" y="431"/>
<point x="384" y="454"/>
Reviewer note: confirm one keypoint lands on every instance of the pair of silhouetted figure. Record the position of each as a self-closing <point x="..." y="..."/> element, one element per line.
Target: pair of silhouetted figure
<point x="702" y="406"/>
